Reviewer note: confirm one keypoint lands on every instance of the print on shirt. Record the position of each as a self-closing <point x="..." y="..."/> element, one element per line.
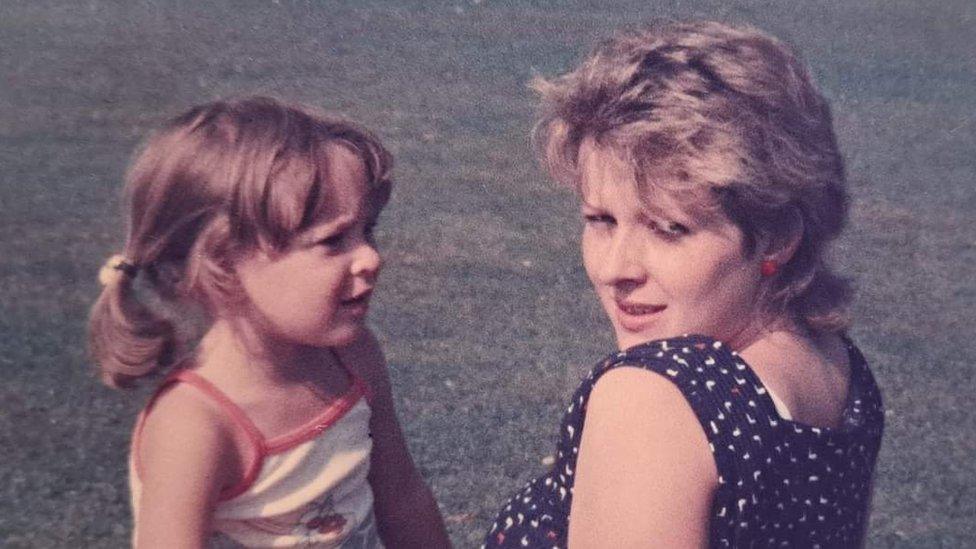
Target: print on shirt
<point x="313" y="522"/>
<point x="781" y="483"/>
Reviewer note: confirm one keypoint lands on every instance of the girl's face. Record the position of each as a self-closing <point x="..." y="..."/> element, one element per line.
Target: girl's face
<point x="658" y="272"/>
<point x="316" y="292"/>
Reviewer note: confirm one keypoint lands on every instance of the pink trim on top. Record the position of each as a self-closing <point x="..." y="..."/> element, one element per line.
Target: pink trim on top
<point x="263" y="447"/>
<point x="332" y="413"/>
<point x="366" y="388"/>
<point x="236" y="414"/>
<point x="241" y="420"/>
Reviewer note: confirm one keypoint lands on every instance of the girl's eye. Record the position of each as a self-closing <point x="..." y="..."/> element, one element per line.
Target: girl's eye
<point x="369" y="231"/>
<point x="599" y="219"/>
<point x="331" y="241"/>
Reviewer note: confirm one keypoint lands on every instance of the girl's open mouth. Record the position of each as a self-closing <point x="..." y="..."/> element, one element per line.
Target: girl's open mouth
<point x="358" y="304"/>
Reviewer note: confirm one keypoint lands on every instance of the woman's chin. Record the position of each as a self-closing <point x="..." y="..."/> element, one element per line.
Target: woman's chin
<point x="626" y="339"/>
<point x="634" y="329"/>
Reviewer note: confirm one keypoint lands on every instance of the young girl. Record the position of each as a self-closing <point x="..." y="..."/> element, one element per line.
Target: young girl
<point x="278" y="428"/>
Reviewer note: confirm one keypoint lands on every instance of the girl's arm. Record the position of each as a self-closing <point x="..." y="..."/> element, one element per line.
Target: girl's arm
<point x="645" y="476"/>
<point x="406" y="512"/>
<point x="185" y="458"/>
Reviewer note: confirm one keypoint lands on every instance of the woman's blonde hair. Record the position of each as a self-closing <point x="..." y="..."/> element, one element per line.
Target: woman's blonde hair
<point x="724" y="119"/>
<point x="219" y="180"/>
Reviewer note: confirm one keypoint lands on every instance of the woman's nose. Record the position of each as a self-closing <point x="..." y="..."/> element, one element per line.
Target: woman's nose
<point x="624" y="259"/>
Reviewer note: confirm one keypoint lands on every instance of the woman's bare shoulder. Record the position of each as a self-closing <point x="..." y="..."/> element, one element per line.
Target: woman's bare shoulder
<point x="644" y="466"/>
<point x="633" y="395"/>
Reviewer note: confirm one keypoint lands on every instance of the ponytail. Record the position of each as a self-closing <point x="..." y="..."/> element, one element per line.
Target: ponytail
<point x="126" y="338"/>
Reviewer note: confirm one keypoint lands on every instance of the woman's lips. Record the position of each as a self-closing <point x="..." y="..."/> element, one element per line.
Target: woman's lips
<point x="635" y="317"/>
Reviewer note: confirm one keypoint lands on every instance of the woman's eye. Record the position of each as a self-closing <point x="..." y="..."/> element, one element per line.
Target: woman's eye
<point x="672" y="229"/>
<point x="369" y="231"/>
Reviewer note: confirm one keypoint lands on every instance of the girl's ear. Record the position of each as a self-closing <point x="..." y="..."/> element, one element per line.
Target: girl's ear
<point x="781" y="247"/>
<point x="210" y="271"/>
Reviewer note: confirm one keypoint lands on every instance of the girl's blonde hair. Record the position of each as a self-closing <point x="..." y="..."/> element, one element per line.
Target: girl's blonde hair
<point x="723" y="119"/>
<point x="219" y="180"/>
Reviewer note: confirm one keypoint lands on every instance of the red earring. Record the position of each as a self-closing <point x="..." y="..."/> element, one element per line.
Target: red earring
<point x="768" y="268"/>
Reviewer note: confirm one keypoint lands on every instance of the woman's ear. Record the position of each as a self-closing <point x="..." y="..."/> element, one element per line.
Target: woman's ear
<point x="780" y="248"/>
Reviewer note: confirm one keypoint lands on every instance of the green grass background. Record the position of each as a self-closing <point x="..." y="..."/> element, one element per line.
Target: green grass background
<point x="485" y="313"/>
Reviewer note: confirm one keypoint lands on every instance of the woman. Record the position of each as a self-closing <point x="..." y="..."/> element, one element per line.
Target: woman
<point x="710" y="186"/>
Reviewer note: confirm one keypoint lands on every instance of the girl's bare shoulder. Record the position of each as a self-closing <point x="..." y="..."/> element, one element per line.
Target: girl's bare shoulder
<point x="184" y="433"/>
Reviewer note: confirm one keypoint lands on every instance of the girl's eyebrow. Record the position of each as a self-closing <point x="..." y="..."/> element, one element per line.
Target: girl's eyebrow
<point x="322" y="230"/>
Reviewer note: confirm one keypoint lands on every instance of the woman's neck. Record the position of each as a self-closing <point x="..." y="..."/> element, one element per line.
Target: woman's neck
<point x="767" y="330"/>
<point x="787" y="337"/>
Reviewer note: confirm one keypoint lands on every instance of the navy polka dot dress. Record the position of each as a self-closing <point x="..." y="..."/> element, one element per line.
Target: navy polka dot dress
<point x="781" y="483"/>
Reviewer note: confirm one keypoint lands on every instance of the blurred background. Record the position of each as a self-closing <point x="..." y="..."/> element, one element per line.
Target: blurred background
<point x="483" y="307"/>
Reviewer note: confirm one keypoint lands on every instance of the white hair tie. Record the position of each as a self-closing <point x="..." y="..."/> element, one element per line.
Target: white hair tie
<point x="115" y="268"/>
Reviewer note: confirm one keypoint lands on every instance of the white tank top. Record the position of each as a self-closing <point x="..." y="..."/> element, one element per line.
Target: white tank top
<point x="307" y="488"/>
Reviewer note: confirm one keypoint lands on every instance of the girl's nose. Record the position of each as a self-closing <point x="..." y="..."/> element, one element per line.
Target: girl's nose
<point x="367" y="261"/>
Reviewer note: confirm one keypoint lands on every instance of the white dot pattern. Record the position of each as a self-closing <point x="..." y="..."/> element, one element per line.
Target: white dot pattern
<point x="781" y="483"/>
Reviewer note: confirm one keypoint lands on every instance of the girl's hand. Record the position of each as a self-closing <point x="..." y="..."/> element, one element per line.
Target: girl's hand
<point x="645" y="476"/>
<point x="406" y="512"/>
<point x="186" y="455"/>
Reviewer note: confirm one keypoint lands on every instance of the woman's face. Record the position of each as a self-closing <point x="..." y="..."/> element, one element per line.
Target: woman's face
<point x="658" y="272"/>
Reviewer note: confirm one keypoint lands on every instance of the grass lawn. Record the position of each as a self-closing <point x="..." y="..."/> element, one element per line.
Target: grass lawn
<point x="486" y="315"/>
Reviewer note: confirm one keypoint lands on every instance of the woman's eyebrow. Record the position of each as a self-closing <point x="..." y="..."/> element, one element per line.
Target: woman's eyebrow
<point x="670" y="213"/>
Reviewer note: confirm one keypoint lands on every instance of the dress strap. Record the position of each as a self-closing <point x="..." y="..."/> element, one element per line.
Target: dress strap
<point x="234" y="412"/>
<point x="224" y="402"/>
